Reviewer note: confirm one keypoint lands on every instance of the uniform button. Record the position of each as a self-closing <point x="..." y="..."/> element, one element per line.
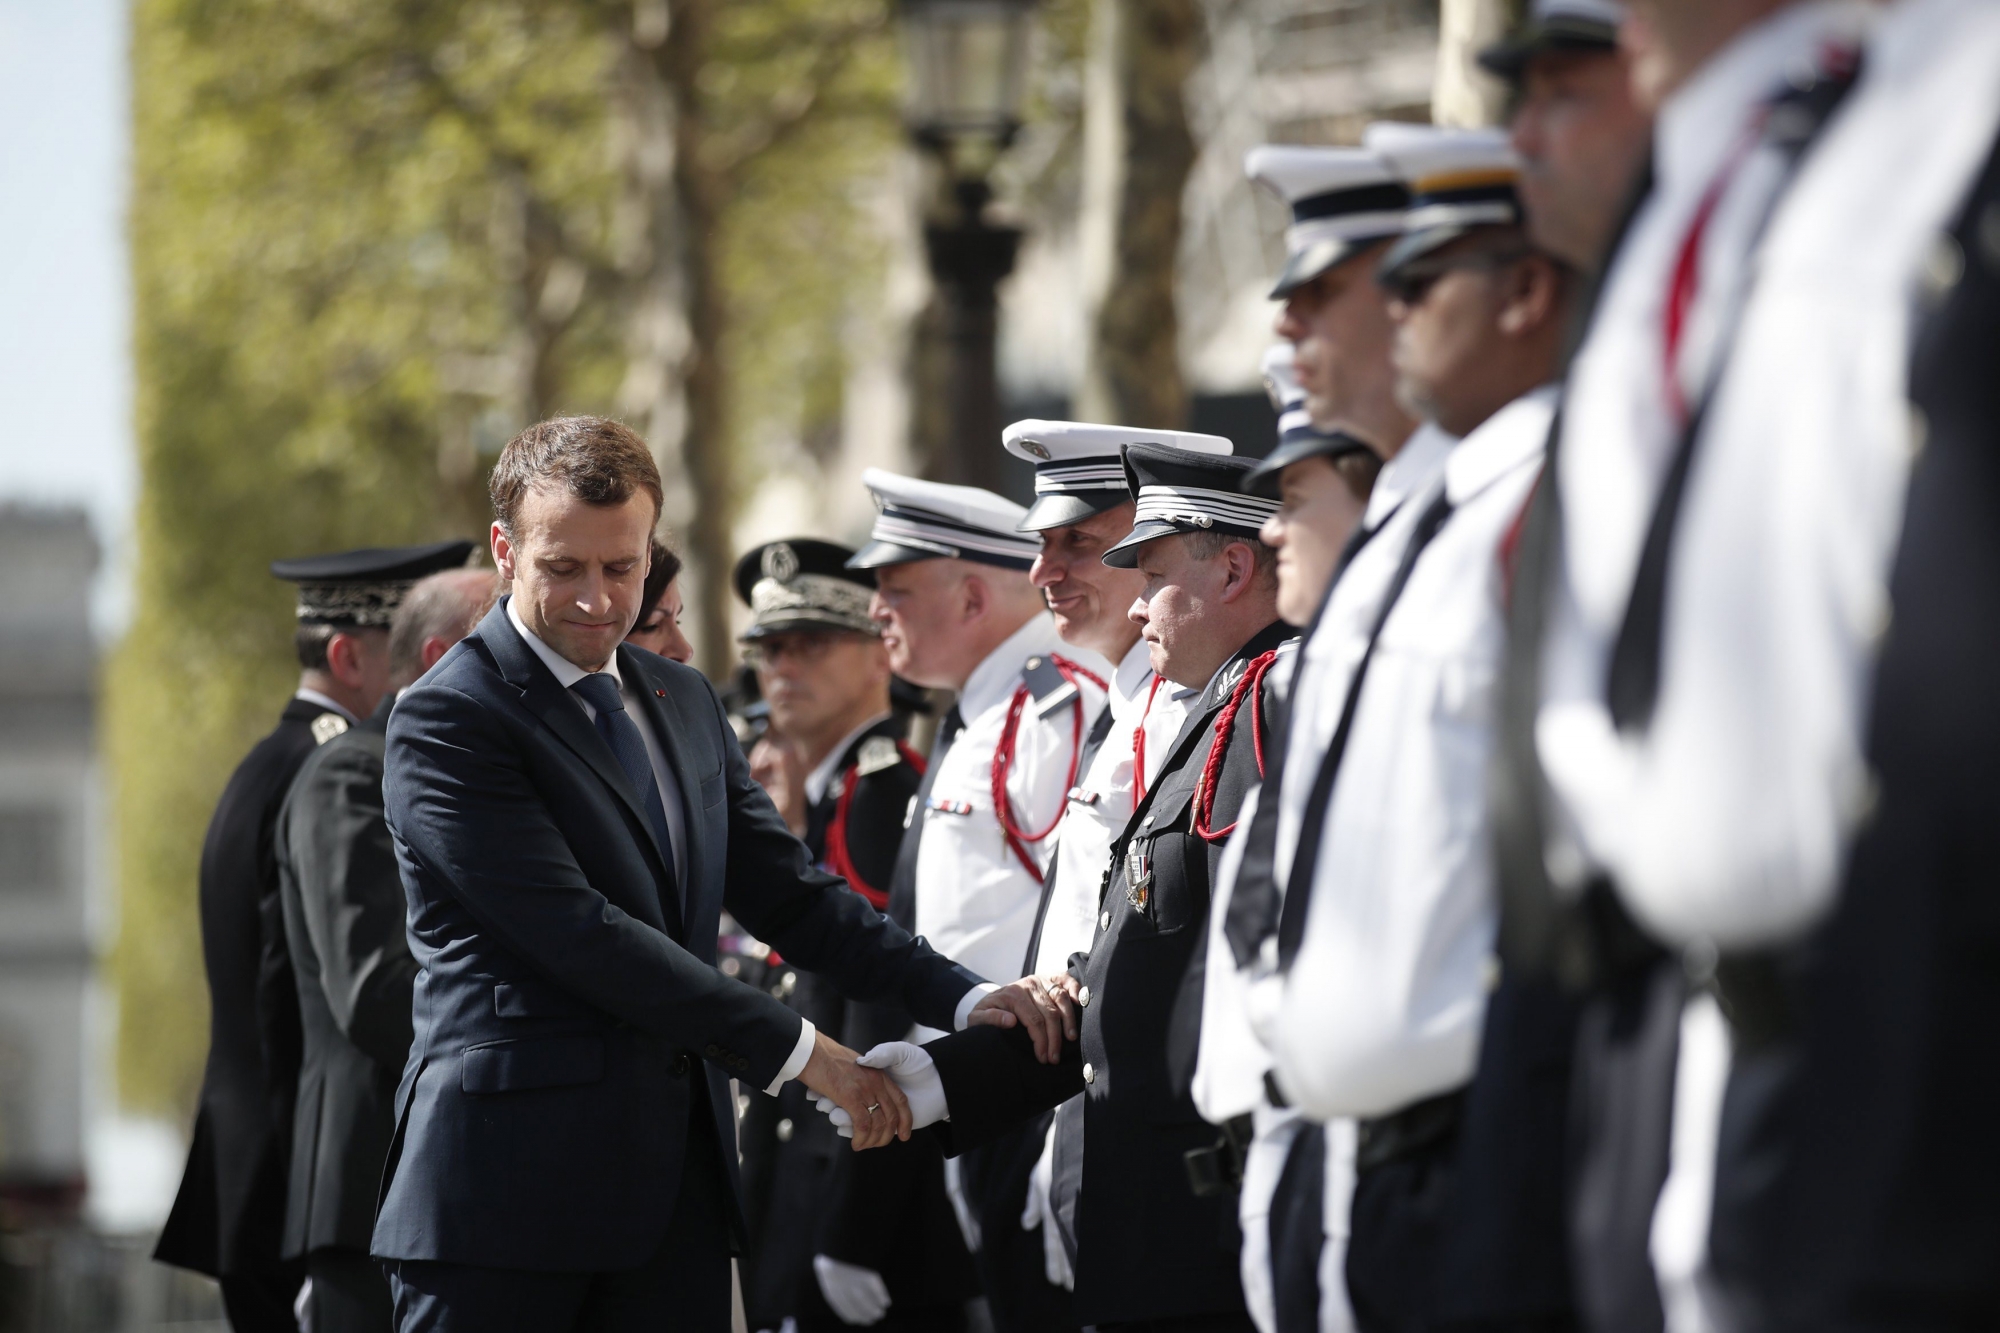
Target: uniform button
<point x="1089" y="1073"/>
<point x="1083" y="997"/>
<point x="784" y="1131"/>
<point x="1104" y="920"/>
<point x="739" y="1063"/>
<point x="711" y="1051"/>
<point x="681" y="1065"/>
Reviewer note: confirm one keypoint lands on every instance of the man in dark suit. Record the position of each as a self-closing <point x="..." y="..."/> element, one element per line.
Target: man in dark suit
<point x="1148" y="1251"/>
<point x="571" y="817"/>
<point x="343" y="909"/>
<point x="229" y="1214"/>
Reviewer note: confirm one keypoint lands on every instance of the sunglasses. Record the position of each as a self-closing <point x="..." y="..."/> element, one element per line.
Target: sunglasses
<point x="1412" y="282"/>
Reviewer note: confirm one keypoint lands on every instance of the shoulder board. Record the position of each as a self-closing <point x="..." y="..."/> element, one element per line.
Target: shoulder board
<point x="876" y="754"/>
<point x="326" y="726"/>
<point x="1046" y="684"/>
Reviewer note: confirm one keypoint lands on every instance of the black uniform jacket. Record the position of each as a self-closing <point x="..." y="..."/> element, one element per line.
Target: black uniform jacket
<point x="806" y="1192"/>
<point x="229" y="1213"/>
<point x="343" y="908"/>
<point x="570" y="1019"/>
<point x="1146" y="1247"/>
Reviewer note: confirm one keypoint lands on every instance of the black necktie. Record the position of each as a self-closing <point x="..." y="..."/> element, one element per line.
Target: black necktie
<point x="628" y="747"/>
<point x="1305" y="858"/>
<point x="903" y="886"/>
<point x="1253" y="904"/>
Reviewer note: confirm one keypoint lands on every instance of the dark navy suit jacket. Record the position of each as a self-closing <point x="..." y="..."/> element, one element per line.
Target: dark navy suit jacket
<point x="568" y="1015"/>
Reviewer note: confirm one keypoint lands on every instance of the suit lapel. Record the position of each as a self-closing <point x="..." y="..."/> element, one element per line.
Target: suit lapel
<point x="561" y="713"/>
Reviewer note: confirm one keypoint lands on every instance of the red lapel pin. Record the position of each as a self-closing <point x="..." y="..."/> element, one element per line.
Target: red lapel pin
<point x="661" y="693"/>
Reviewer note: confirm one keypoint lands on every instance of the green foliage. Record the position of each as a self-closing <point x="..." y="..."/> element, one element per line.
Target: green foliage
<point x="370" y="239"/>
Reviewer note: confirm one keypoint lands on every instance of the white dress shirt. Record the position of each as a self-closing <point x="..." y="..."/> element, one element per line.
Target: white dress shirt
<point x="1101" y="804"/>
<point x="1384" y="1003"/>
<point x="975" y="900"/>
<point x="313" y="696"/>
<point x="567" y="674"/>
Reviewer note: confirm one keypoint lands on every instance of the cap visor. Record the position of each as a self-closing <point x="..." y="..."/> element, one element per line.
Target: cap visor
<point x="1125" y="555"/>
<point x="1509" y="57"/>
<point x="1263" y="479"/>
<point x="876" y="554"/>
<point x="1417" y="244"/>
<point x="1314" y="260"/>
<point x="1061" y="510"/>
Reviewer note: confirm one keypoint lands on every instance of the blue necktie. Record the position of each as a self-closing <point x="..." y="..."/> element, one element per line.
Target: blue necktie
<point x="621" y="733"/>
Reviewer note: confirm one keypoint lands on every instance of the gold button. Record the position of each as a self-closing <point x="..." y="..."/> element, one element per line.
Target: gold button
<point x="1089" y="1074"/>
<point x="784" y="1131"/>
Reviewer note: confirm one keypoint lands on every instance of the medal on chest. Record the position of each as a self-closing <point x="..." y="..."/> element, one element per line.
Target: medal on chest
<point x="1139" y="875"/>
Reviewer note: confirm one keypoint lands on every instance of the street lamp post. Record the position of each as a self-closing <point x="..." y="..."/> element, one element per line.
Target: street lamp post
<point x="968" y="65"/>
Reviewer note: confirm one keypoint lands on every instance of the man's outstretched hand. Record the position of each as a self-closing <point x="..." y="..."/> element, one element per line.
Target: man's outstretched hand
<point x="1046" y="1006"/>
<point x="834" y="1073"/>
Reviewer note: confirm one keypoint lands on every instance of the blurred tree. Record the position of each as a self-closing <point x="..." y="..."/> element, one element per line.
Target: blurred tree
<point x="1465" y="94"/>
<point x="1137" y="153"/>
<point x="373" y="238"/>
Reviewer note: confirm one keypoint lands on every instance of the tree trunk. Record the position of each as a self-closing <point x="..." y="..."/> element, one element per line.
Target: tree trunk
<point x="1137" y="155"/>
<point x="675" y="388"/>
<point x="1465" y="94"/>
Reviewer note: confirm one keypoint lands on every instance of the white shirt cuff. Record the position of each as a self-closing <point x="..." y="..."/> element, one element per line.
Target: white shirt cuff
<point x="796" y="1065"/>
<point x="972" y="997"/>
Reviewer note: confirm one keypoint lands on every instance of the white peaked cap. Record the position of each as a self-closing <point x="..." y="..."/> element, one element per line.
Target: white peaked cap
<point x="1342" y="200"/>
<point x="1078" y="468"/>
<point x="930" y="520"/>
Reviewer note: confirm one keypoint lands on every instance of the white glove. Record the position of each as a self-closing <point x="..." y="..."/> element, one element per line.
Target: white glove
<point x="915" y="1073"/>
<point x="858" y="1295"/>
<point x="1040" y="1212"/>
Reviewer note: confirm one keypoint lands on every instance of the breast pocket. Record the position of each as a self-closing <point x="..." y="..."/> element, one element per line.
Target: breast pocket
<point x="711" y="790"/>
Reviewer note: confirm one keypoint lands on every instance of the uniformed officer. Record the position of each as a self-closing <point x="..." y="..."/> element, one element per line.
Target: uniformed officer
<point x="1388" y="917"/>
<point x="343" y="906"/>
<point x="1081" y="510"/>
<point x="228" y="1219"/>
<point x="837" y="1239"/>
<point x="1782" y="764"/>
<point x="1349" y="205"/>
<point x="1148" y="1249"/>
<point x="958" y="613"/>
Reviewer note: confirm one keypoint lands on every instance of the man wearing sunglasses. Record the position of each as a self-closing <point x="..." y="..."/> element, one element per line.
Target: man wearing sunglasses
<point x="1389" y="912"/>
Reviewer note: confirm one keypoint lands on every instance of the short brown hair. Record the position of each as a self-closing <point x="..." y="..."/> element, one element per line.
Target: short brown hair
<point x="665" y="566"/>
<point x="599" y="461"/>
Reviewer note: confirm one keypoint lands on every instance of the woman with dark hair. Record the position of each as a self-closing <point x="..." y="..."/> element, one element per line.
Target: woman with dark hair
<point x="658" y="629"/>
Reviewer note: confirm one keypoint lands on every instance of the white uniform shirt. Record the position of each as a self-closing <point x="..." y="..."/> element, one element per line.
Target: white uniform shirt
<point x="1101" y="804"/>
<point x="1384" y="1004"/>
<point x="1618" y="431"/>
<point x="976" y="901"/>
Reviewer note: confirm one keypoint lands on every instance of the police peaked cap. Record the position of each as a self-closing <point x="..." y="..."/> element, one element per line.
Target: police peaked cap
<point x="1343" y="200"/>
<point x="1078" y="472"/>
<point x="1555" y="25"/>
<point x="1179" y="491"/>
<point x="931" y="520"/>
<point x="1460" y="180"/>
<point x="1298" y="438"/>
<point x="364" y="587"/>
<point x="803" y="583"/>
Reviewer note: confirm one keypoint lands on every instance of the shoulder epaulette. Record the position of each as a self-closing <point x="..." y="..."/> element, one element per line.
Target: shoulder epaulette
<point x="326" y="726"/>
<point x="1047" y="685"/>
<point x="876" y="754"/>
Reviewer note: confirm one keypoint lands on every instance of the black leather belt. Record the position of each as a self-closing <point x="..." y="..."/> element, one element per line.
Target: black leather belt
<point x="1218" y="1169"/>
<point x="1417" y="1126"/>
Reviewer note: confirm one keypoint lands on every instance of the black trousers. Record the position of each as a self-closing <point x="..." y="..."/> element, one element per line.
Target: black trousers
<point x="1298" y="1231"/>
<point x="684" y="1286"/>
<point x="350" y="1293"/>
<point x="260" y="1301"/>
<point x="1195" y="1323"/>
<point x="1011" y="1268"/>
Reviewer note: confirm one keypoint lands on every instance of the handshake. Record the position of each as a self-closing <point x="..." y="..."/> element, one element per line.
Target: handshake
<point x="895" y="1089"/>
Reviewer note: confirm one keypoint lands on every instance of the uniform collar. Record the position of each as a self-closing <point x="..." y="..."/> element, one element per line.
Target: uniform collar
<point x="1132" y="682"/>
<point x="566" y="672"/>
<point x="318" y="700"/>
<point x="993" y="679"/>
<point x="1514" y="435"/>
<point x="822" y="776"/>
<point x="1701" y="124"/>
<point x="1408" y="472"/>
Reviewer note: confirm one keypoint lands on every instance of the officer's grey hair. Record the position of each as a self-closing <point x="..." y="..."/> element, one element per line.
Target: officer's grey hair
<point x="1209" y="545"/>
<point x="444" y="606"/>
